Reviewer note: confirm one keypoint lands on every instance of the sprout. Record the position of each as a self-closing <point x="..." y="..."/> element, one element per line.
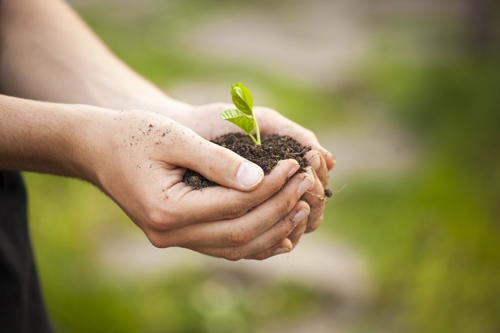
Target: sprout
<point x="243" y="116"/>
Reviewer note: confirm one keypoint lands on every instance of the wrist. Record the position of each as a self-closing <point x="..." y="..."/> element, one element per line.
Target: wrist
<point x="92" y="145"/>
<point x="49" y="137"/>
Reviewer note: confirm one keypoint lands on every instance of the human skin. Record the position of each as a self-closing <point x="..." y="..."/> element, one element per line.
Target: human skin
<point x="68" y="137"/>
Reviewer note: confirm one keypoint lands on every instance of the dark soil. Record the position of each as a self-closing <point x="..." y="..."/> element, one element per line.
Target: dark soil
<point x="273" y="148"/>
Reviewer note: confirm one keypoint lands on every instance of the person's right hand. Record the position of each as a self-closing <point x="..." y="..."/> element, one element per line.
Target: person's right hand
<point x="139" y="159"/>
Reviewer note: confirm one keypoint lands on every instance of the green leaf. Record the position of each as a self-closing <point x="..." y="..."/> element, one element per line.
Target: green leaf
<point x="240" y="119"/>
<point x="242" y="98"/>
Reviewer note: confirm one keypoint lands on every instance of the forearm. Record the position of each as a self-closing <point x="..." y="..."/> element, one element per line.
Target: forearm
<point x="49" y="54"/>
<point x="48" y="137"/>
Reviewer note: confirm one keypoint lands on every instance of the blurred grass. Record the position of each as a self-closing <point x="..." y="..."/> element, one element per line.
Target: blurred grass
<point x="431" y="234"/>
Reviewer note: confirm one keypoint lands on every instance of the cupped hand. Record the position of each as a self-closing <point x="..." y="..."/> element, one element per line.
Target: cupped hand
<point x="139" y="158"/>
<point x="205" y="121"/>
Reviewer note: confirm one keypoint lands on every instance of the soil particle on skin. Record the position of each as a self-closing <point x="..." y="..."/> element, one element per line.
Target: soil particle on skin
<point x="273" y="149"/>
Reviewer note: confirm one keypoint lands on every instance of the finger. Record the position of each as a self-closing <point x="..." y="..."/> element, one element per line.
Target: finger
<point x="308" y="138"/>
<point x="315" y="225"/>
<point x="283" y="247"/>
<point x="245" y="229"/>
<point x="318" y="163"/>
<point x="315" y="197"/>
<point x="280" y="231"/>
<point x="279" y="248"/>
<point x="214" y="162"/>
<point x="277" y="234"/>
<point x="186" y="206"/>
<point x="298" y="231"/>
<point x="330" y="160"/>
<point x="279" y="123"/>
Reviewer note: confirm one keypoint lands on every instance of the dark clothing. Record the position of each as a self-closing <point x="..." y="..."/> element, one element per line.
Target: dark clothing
<point x="21" y="304"/>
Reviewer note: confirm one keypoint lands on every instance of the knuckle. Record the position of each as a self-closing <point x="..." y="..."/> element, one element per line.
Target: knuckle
<point x="233" y="254"/>
<point x="302" y="226"/>
<point x="155" y="219"/>
<point x="164" y="239"/>
<point x="261" y="257"/>
<point x="161" y="219"/>
<point x="219" y="157"/>
<point x="278" y="238"/>
<point x="235" y="209"/>
<point x="284" y="207"/>
<point x="158" y="240"/>
<point x="238" y="236"/>
<point x="310" y="134"/>
<point x="219" y="152"/>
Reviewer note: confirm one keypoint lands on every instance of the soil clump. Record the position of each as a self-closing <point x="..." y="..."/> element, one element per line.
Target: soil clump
<point x="273" y="148"/>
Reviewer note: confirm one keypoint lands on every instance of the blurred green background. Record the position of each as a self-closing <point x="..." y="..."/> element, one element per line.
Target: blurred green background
<point x="405" y="94"/>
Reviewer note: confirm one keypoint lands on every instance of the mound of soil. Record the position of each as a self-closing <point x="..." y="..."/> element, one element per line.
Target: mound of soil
<point x="273" y="148"/>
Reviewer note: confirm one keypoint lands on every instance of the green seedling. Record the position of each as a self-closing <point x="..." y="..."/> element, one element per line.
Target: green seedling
<point x="243" y="116"/>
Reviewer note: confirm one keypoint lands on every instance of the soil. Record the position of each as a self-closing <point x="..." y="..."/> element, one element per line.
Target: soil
<point x="273" y="148"/>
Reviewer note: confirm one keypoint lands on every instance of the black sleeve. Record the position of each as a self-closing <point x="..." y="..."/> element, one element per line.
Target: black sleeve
<point x="21" y="305"/>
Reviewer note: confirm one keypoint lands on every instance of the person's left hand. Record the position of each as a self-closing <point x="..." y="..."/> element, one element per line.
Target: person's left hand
<point x="205" y="121"/>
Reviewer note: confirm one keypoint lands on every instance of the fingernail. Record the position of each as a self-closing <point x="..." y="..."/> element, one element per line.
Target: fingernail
<point x="327" y="153"/>
<point x="311" y="174"/>
<point x="249" y="174"/>
<point x="293" y="170"/>
<point x="300" y="216"/>
<point x="315" y="162"/>
<point x="281" y="250"/>
<point x="305" y="185"/>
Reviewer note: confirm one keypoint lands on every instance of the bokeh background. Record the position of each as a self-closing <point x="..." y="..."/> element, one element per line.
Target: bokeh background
<point x="404" y="93"/>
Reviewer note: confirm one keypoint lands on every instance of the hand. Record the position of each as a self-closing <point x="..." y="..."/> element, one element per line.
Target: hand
<point x="205" y="121"/>
<point x="139" y="158"/>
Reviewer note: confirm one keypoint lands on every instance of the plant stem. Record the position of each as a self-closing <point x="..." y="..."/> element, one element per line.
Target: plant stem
<point x="257" y="131"/>
<point x="251" y="137"/>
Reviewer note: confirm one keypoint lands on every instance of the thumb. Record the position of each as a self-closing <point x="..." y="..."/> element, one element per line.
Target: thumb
<point x="216" y="163"/>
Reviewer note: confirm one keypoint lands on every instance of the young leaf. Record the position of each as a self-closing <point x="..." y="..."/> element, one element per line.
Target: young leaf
<point x="243" y="117"/>
<point x="239" y="119"/>
<point x="242" y="98"/>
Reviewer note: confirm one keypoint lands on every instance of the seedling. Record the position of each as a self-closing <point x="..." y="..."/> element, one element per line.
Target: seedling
<point x="243" y="116"/>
